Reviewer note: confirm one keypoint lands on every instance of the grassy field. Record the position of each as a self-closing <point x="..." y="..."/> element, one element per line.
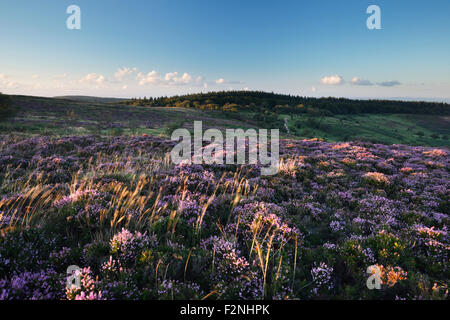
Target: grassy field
<point x="60" y="117"/>
<point x="384" y="128"/>
<point x="63" y="116"/>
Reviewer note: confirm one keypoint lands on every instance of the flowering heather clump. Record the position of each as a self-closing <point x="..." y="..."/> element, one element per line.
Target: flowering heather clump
<point x="322" y="277"/>
<point x="73" y="197"/>
<point x="126" y="246"/>
<point x="88" y="290"/>
<point x="391" y="275"/>
<point x="435" y="153"/>
<point x="376" y="178"/>
<point x="41" y="285"/>
<point x="259" y="218"/>
<point x="141" y="228"/>
<point x="230" y="272"/>
<point x="176" y="290"/>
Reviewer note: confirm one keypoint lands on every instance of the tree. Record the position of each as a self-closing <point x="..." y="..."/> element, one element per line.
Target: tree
<point x="6" y="110"/>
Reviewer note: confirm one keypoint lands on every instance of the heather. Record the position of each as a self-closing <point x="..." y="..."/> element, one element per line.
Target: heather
<point x="143" y="228"/>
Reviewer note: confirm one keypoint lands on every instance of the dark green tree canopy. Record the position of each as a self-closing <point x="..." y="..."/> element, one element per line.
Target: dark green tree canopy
<point x="262" y="101"/>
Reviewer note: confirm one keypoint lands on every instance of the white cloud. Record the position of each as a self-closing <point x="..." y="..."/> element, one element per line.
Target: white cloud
<point x="120" y="74"/>
<point x="151" y="77"/>
<point x="361" y="82"/>
<point x="313" y="89"/>
<point x="222" y="81"/>
<point x="172" y="78"/>
<point x="12" y="84"/>
<point x="93" y="78"/>
<point x="7" y="83"/>
<point x="123" y="79"/>
<point x="338" y="80"/>
<point x="332" y="80"/>
<point x="186" y="78"/>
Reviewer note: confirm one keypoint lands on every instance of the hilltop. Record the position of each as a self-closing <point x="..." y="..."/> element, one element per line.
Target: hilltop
<point x="91" y="99"/>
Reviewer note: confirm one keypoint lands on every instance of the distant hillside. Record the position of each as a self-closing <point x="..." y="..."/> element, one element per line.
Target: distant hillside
<point x="91" y="99"/>
<point x="63" y="117"/>
<point x="264" y="101"/>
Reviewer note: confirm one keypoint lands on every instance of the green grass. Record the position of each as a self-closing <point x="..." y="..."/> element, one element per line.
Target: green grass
<point x="384" y="128"/>
<point x="62" y="117"/>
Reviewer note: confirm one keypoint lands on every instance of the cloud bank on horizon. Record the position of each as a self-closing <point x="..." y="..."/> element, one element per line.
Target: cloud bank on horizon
<point x="338" y="80"/>
<point x="161" y="48"/>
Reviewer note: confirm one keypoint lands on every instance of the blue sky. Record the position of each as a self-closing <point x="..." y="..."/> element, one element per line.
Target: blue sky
<point x="166" y="47"/>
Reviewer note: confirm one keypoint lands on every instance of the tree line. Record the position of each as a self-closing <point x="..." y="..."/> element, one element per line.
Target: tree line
<point x="235" y="101"/>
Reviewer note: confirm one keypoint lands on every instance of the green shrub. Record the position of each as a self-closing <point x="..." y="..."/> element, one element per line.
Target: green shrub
<point x="117" y="131"/>
<point x="172" y="127"/>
